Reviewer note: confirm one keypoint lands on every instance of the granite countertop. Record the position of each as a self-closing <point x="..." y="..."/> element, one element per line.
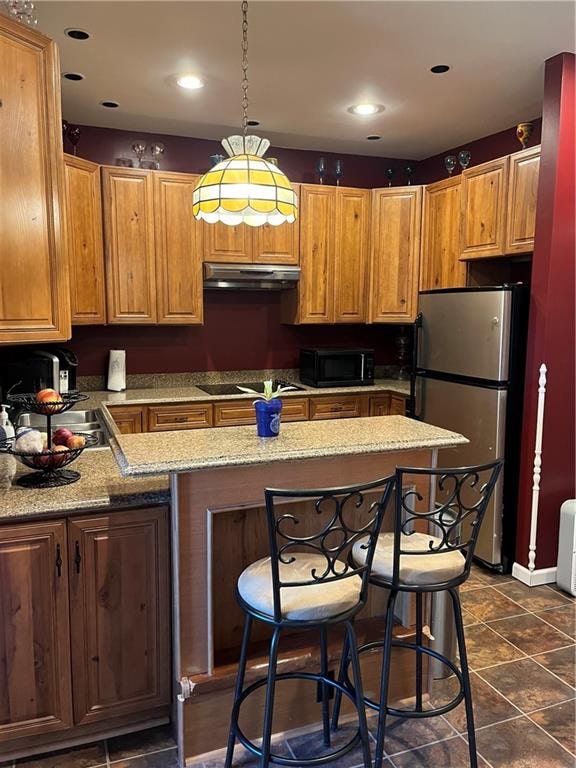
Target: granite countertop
<point x="190" y="450"/>
<point x="101" y="487"/>
<point x="189" y="392"/>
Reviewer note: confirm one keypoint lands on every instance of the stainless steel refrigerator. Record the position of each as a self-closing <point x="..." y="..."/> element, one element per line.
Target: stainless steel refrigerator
<point x="468" y="376"/>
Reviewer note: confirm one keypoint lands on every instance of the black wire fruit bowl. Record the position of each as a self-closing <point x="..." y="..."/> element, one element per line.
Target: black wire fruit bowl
<point x="49" y="463"/>
<point x="29" y="402"/>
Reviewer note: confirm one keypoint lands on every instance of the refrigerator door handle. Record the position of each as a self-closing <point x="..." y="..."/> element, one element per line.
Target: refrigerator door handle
<point x="412" y="399"/>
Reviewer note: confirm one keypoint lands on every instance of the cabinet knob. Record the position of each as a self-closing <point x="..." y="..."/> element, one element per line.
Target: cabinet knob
<point x="402" y="301"/>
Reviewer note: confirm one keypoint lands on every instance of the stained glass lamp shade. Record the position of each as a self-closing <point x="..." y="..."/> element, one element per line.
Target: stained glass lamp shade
<point x="245" y="188"/>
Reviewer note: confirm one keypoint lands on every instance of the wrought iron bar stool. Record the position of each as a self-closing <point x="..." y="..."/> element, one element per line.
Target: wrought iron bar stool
<point x="309" y="582"/>
<point x="419" y="562"/>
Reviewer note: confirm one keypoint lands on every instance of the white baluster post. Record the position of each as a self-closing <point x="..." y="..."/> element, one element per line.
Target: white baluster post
<point x="537" y="468"/>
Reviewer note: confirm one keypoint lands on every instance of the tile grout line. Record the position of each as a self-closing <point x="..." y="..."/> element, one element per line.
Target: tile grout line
<point x="556" y="628"/>
<point x="550" y="735"/>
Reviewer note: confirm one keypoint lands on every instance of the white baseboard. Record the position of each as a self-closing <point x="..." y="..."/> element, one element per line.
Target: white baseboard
<point x="534" y="578"/>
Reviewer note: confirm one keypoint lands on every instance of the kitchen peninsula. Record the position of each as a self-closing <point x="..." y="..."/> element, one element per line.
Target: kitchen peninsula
<point x="219" y="527"/>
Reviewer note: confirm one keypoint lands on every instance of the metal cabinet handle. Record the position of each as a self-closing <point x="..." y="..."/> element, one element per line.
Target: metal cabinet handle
<point x="58" y="560"/>
<point x="77" y="557"/>
<point x="180" y="418"/>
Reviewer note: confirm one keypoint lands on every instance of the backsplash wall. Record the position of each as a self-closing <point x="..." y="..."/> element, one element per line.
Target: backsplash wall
<point x="241" y="331"/>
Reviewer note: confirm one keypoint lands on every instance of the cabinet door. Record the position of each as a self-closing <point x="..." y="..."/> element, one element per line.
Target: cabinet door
<point x="178" y="250"/>
<point x="351" y="253"/>
<point x="380" y="405"/>
<point x="227" y="244"/>
<point x="483" y="206"/>
<point x="34" y="292"/>
<point x="315" y="292"/>
<point x="35" y="692"/>
<point x="277" y="245"/>
<point x="397" y="405"/>
<point x="129" y="241"/>
<point x="120" y="617"/>
<point x="129" y="419"/>
<point x="395" y="254"/>
<point x="440" y="265"/>
<point x="229" y="413"/>
<point x="522" y="196"/>
<point x="84" y="241"/>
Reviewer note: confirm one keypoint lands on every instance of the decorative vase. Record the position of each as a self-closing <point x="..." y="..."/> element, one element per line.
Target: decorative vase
<point x="268" y="417"/>
<point x="523" y="133"/>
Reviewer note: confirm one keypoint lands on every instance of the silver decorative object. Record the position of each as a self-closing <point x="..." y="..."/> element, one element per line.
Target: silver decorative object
<point x="217" y="159"/>
<point x="338" y="171"/>
<point x="321" y="168"/>
<point x="450" y="163"/>
<point x="464" y="159"/>
<point x="157" y="150"/>
<point x="139" y="149"/>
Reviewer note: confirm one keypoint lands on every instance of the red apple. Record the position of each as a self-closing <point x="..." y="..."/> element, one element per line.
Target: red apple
<point x="76" y="441"/>
<point x="59" y="455"/>
<point x="48" y="396"/>
<point x="61" y="436"/>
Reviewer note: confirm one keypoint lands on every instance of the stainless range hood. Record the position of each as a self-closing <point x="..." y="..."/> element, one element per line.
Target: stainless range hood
<point x="261" y="277"/>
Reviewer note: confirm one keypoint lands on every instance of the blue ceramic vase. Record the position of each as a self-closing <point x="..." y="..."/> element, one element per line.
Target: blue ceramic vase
<point x="268" y="417"/>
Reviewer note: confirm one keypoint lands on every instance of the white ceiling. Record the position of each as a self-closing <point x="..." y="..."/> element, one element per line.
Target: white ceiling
<point x="309" y="61"/>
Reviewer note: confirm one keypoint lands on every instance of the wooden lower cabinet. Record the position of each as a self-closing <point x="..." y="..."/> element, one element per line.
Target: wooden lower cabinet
<point x="397" y="405"/>
<point x="85" y="626"/>
<point x="35" y="688"/>
<point x="120" y="613"/>
<point x="380" y="405"/>
<point x="129" y="419"/>
<point x="228" y="413"/>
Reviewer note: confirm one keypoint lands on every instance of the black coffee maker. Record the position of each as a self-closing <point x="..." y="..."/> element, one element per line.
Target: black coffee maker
<point x="30" y="370"/>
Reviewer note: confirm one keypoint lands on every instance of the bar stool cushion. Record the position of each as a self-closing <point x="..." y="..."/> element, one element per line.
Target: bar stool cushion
<point x="415" y="570"/>
<point x="302" y="603"/>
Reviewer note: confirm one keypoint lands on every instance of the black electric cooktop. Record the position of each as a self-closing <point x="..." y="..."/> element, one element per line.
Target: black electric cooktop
<point x="232" y="389"/>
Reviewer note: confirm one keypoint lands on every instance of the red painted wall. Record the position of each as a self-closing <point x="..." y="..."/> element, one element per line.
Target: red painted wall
<point x="551" y="326"/>
<point x="188" y="155"/>
<point x="241" y="331"/>
<point x="484" y="149"/>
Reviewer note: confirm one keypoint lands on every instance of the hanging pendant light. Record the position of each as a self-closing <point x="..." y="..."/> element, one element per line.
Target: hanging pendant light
<point x="245" y="188"/>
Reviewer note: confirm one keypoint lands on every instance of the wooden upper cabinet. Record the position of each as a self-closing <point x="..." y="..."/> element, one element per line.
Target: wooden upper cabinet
<point x="223" y="243"/>
<point x="120" y="613"/>
<point x="178" y="238"/>
<point x="483" y="210"/>
<point x="84" y="241"/>
<point x="351" y="254"/>
<point x="440" y="265"/>
<point x="129" y="243"/>
<point x="315" y="292"/>
<point x="277" y="245"/>
<point x="35" y="690"/>
<point x="34" y="291"/>
<point x="396" y="221"/>
<point x="522" y="197"/>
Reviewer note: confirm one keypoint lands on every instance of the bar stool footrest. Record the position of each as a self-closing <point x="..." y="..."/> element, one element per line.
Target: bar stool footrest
<point x="290" y="761"/>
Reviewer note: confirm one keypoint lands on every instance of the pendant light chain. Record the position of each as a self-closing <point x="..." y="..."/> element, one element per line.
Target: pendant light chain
<point x="244" y="66"/>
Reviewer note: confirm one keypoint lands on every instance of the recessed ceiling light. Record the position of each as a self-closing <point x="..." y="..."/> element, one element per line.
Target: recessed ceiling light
<point x="439" y="69"/>
<point x="365" y="109"/>
<point x="253" y="123"/>
<point x="109" y="104"/>
<point x="77" y="34"/>
<point x="73" y="76"/>
<point x="373" y="138"/>
<point x="190" y="82"/>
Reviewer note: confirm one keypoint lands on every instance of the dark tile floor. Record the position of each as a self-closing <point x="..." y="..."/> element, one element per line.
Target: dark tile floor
<point x="521" y="646"/>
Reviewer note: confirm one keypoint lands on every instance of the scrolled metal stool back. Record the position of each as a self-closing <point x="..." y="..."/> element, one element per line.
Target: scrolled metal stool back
<point x="339" y="518"/>
<point x="454" y="512"/>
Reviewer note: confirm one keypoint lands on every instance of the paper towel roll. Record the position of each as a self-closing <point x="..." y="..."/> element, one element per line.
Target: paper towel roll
<point x="117" y="370"/>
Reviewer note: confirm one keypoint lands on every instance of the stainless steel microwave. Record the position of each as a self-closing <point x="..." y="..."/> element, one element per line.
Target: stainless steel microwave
<point x="337" y="367"/>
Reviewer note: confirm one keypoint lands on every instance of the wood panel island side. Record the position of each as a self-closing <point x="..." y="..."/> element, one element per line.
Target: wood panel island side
<point x="219" y="527"/>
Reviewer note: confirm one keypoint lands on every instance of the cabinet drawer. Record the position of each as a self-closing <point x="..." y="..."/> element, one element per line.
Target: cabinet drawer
<point x="338" y="407"/>
<point x="129" y="419"/>
<point x="228" y="413"/>
<point x="397" y="405"/>
<point x="380" y="405"/>
<point x="163" y="418"/>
